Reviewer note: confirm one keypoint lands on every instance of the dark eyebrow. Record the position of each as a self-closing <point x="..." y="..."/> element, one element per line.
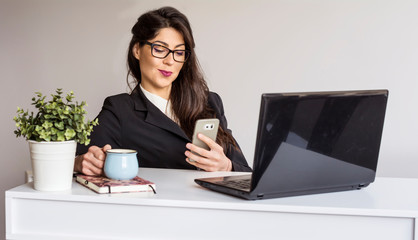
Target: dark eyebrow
<point x="180" y="45"/>
<point x="163" y="43"/>
<point x="166" y="44"/>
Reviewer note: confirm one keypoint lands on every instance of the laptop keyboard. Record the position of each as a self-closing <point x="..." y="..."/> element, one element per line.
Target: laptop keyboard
<point x="241" y="184"/>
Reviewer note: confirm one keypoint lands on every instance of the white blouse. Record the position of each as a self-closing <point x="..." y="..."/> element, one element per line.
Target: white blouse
<point x="163" y="104"/>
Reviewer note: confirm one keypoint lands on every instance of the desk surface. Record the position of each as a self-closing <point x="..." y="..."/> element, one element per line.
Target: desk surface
<point x="388" y="207"/>
<point x="386" y="196"/>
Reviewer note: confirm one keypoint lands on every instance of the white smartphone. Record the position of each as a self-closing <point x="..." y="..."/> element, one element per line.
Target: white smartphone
<point x="209" y="128"/>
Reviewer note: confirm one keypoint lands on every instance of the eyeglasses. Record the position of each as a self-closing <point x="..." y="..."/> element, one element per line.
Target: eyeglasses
<point x="160" y="51"/>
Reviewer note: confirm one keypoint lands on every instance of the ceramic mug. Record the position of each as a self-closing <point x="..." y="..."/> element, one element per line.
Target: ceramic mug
<point x="121" y="164"/>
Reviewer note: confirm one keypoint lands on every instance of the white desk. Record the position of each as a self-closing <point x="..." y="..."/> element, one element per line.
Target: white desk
<point x="387" y="209"/>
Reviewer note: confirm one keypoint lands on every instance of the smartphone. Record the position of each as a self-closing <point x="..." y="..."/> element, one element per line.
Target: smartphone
<point x="209" y="128"/>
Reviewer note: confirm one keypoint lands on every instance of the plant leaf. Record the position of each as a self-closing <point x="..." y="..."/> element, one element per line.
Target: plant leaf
<point x="69" y="133"/>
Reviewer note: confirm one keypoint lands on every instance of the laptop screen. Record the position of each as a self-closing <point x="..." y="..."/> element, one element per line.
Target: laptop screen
<point x="345" y="126"/>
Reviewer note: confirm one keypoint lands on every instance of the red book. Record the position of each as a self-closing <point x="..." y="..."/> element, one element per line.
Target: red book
<point x="106" y="185"/>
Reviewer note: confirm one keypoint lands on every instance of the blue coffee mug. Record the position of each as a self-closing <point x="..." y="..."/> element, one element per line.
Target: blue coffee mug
<point x="121" y="164"/>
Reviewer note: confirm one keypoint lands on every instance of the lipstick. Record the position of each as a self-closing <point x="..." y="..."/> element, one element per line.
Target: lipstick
<point x="165" y="73"/>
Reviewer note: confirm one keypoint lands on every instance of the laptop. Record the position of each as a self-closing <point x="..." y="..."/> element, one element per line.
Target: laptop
<point x="309" y="143"/>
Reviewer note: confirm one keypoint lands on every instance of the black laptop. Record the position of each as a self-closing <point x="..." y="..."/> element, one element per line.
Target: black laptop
<point x="312" y="142"/>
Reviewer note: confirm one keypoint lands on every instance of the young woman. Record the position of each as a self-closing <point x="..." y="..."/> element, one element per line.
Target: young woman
<point x="157" y="119"/>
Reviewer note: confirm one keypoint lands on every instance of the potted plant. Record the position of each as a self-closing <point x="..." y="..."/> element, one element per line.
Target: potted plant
<point x="53" y="134"/>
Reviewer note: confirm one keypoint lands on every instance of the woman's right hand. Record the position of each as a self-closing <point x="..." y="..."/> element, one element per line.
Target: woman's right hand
<point x="92" y="162"/>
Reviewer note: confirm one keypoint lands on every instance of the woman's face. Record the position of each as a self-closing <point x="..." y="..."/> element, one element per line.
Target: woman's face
<point x="158" y="74"/>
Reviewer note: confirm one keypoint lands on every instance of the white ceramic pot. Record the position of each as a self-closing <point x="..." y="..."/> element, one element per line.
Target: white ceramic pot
<point x="52" y="164"/>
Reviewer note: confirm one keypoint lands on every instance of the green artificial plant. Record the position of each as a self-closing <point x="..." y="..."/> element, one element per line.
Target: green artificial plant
<point x="56" y="120"/>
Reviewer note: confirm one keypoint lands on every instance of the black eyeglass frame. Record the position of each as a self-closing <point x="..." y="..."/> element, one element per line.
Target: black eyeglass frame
<point x="187" y="52"/>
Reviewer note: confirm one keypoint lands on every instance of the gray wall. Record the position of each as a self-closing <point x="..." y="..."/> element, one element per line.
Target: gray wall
<point x="245" y="48"/>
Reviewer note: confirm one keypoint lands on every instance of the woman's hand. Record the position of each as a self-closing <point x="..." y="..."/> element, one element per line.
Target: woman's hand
<point x="92" y="162"/>
<point x="209" y="160"/>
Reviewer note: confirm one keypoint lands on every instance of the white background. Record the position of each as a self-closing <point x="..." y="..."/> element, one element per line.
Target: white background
<point x="245" y="48"/>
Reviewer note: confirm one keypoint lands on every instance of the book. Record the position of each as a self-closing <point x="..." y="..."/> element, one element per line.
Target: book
<point x="106" y="185"/>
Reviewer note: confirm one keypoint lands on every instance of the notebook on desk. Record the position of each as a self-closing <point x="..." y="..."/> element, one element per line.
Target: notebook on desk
<point x="311" y="143"/>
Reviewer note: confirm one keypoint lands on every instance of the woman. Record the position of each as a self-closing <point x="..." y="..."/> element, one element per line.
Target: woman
<point x="158" y="117"/>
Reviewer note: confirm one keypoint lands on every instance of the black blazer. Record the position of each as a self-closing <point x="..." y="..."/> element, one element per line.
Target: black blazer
<point x="133" y="122"/>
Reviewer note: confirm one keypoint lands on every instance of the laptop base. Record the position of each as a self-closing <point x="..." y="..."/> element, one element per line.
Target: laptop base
<point x="209" y="183"/>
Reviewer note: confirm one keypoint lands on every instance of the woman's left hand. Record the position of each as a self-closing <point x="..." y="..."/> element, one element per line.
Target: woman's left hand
<point x="209" y="160"/>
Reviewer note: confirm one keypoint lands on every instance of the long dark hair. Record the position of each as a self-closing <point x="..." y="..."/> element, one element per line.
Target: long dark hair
<point x="189" y="92"/>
